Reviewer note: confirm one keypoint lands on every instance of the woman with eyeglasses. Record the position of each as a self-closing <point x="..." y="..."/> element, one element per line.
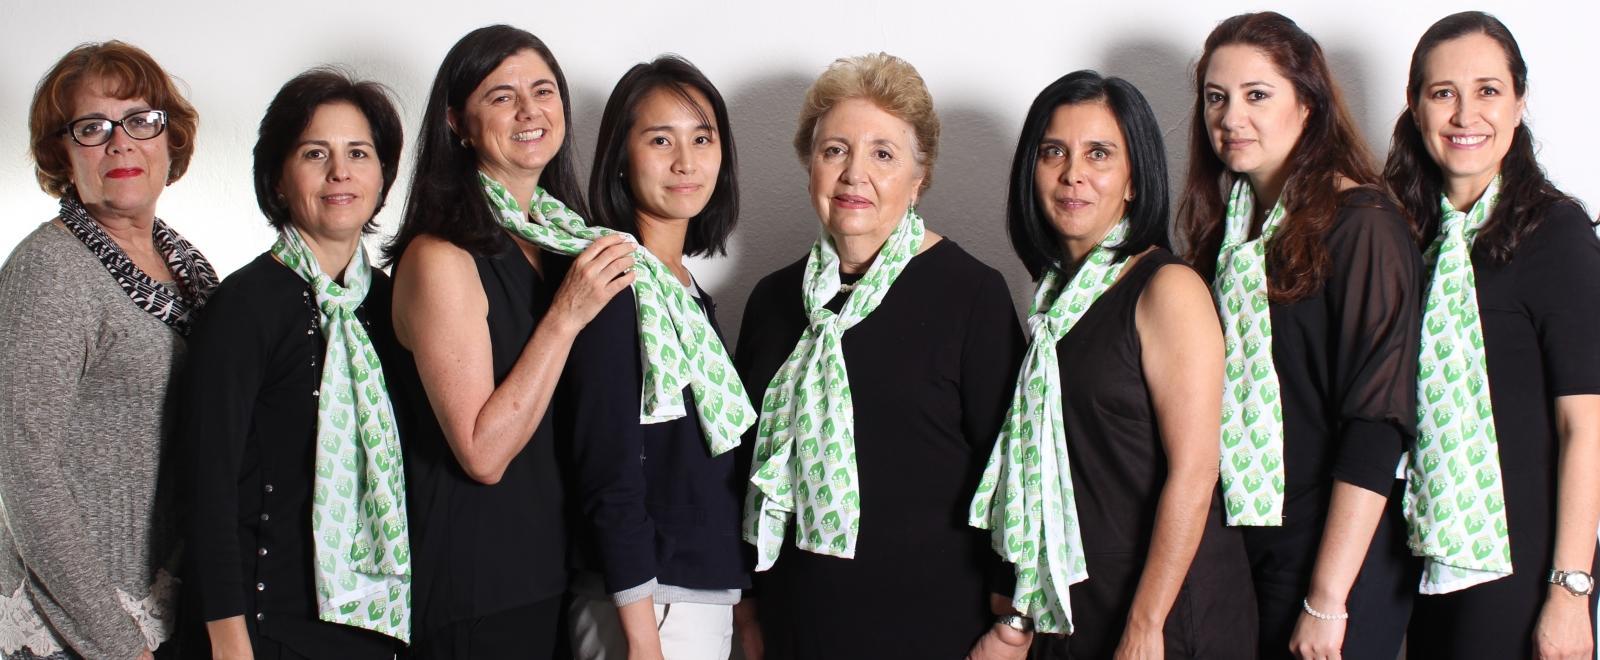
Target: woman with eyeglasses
<point x="94" y="309"/>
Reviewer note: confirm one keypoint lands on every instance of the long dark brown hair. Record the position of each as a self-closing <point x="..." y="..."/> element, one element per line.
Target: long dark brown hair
<point x="1329" y="146"/>
<point x="446" y="199"/>
<point x="1525" y="192"/>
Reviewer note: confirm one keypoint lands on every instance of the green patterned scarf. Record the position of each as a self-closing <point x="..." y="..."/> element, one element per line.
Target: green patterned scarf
<point x="1252" y="410"/>
<point x="358" y="502"/>
<point x="808" y="403"/>
<point x="1454" y="504"/>
<point x="1034" y="522"/>
<point x="680" y="349"/>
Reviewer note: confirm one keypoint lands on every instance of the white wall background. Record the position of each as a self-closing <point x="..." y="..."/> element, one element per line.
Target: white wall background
<point x="984" y="62"/>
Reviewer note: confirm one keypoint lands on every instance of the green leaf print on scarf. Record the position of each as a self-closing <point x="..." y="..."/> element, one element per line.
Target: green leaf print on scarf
<point x="675" y="336"/>
<point x="358" y="513"/>
<point x="1252" y="414"/>
<point x="1026" y="496"/>
<point x="1454" y="503"/>
<point x="808" y="403"/>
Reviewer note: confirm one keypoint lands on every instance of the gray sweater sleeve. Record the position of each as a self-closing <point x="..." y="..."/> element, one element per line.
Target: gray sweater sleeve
<point x="46" y="342"/>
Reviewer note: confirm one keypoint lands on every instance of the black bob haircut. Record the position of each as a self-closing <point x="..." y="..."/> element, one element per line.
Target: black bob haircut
<point x="610" y="192"/>
<point x="446" y="199"/>
<point x="1032" y="236"/>
<point x="291" y="112"/>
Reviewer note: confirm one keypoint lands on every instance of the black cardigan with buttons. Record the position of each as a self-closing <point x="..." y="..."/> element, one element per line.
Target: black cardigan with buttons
<point x="653" y="504"/>
<point x="247" y="417"/>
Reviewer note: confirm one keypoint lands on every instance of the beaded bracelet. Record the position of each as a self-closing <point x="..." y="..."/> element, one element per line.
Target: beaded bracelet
<point x="1306" y="604"/>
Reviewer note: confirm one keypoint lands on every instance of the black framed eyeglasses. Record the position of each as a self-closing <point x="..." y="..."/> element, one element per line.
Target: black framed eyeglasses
<point x="95" y="131"/>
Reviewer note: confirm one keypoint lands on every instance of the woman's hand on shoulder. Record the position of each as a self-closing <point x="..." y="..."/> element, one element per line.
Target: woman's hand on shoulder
<point x="597" y="274"/>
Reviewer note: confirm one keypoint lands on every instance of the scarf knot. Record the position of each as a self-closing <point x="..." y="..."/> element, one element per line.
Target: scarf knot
<point x="805" y="471"/>
<point x="361" y="542"/>
<point x="1025" y="496"/>
<point x="195" y="277"/>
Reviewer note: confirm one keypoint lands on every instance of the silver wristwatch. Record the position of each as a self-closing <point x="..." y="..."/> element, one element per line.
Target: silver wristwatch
<point x="1580" y="583"/>
<point x="1015" y="622"/>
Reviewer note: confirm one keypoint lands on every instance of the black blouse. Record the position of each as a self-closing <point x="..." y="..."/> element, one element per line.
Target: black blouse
<point x="247" y="431"/>
<point x="1540" y="315"/>
<point x="1347" y="360"/>
<point x="931" y="372"/>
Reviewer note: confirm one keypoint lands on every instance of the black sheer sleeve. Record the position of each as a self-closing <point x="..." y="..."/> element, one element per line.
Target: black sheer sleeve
<point x="1375" y="291"/>
<point x="1559" y="282"/>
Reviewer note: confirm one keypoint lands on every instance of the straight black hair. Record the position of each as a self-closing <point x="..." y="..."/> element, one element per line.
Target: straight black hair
<point x="1525" y="192"/>
<point x="609" y="189"/>
<point x="1032" y="236"/>
<point x="446" y="199"/>
<point x="291" y="111"/>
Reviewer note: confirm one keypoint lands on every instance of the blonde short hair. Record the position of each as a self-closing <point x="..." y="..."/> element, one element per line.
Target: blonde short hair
<point x="888" y="82"/>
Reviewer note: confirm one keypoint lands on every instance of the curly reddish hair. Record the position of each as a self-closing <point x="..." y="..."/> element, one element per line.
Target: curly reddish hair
<point x="128" y="72"/>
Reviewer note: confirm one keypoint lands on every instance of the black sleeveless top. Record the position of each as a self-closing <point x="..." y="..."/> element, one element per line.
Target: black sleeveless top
<point x="478" y="549"/>
<point x="1118" y="463"/>
<point x="1119" y="468"/>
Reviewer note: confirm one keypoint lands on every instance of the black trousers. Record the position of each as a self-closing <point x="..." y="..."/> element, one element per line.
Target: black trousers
<point x="534" y="632"/>
<point x="1281" y="560"/>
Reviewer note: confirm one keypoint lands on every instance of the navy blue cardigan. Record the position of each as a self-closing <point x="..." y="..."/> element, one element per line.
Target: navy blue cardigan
<point x="652" y="503"/>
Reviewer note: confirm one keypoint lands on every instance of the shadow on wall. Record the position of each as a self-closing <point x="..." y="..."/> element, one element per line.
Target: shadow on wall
<point x="776" y="223"/>
<point x="967" y="203"/>
<point x="1373" y="117"/>
<point x="1164" y="73"/>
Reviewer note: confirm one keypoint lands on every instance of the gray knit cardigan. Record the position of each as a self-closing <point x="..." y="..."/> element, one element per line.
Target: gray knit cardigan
<point x="89" y="536"/>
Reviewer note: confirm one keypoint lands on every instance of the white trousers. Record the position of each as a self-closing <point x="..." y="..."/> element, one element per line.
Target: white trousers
<point x="689" y="631"/>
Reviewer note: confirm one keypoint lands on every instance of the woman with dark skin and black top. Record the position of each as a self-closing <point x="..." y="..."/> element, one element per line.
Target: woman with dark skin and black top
<point x="1141" y="375"/>
<point x="929" y="371"/>
<point x="662" y="557"/>
<point x="489" y="329"/>
<point x="1343" y="278"/>
<point x="1536" y="266"/>
<point x="328" y="151"/>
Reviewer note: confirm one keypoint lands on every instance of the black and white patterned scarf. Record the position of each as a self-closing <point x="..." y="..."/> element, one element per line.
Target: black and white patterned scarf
<point x="194" y="274"/>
